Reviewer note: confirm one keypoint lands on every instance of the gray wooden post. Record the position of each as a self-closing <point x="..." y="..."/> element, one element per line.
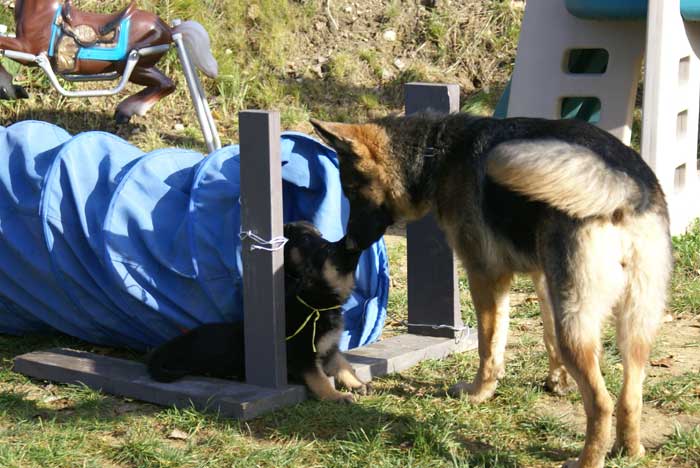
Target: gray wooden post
<point x="433" y="287"/>
<point x="263" y="272"/>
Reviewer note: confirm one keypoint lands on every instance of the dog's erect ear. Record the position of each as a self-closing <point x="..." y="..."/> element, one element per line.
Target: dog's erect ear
<point x="363" y="144"/>
<point x="339" y="136"/>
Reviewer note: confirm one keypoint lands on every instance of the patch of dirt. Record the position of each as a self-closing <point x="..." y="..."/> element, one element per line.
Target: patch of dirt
<point x="657" y="426"/>
<point x="458" y="42"/>
<point x="679" y="338"/>
<point x="678" y="345"/>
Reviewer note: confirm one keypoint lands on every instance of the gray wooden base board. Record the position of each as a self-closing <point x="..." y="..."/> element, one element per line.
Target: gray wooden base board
<point x="225" y="397"/>
<point x="403" y="351"/>
<point x="130" y="379"/>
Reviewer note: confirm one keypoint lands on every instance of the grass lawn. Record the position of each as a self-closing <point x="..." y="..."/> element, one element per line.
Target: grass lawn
<point x="282" y="54"/>
<point x="406" y="421"/>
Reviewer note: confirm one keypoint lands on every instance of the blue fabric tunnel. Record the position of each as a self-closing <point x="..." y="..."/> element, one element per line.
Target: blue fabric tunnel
<point x="115" y="246"/>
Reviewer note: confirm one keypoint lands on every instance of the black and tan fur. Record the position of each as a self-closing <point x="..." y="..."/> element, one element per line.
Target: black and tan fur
<point x="321" y="273"/>
<point x="562" y="201"/>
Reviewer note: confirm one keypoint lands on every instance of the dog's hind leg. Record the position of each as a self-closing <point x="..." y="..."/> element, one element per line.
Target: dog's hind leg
<point x="558" y="380"/>
<point x="490" y="297"/>
<point x="635" y="352"/>
<point x="638" y="318"/>
<point x="586" y="280"/>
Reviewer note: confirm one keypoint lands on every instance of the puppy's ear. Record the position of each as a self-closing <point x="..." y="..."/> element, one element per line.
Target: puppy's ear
<point x="340" y="136"/>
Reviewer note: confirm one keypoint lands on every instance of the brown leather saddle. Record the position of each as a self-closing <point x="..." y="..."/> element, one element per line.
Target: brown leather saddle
<point x="82" y="28"/>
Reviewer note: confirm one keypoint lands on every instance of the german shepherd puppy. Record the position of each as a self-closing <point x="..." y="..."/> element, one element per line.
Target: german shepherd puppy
<point x="562" y="201"/>
<point x="318" y="274"/>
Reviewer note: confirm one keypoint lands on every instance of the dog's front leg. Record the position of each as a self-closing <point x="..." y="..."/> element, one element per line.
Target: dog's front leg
<point x="338" y="367"/>
<point x="321" y="387"/>
<point x="490" y="297"/>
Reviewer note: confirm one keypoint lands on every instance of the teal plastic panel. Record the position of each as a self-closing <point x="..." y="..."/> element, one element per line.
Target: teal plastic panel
<point x="625" y="9"/>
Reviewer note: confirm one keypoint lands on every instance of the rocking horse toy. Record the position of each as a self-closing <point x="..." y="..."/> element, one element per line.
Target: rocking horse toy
<point x="84" y="46"/>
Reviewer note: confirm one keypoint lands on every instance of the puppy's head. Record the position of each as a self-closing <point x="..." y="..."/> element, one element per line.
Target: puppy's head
<point x="319" y="271"/>
<point x="368" y="176"/>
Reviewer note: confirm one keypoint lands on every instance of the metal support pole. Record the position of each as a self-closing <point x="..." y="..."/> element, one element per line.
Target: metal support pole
<point x="201" y="106"/>
<point x="433" y="286"/>
<point x="263" y="271"/>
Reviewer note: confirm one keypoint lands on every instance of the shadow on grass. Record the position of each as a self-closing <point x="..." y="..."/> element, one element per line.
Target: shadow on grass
<point x="384" y="422"/>
<point x="82" y="405"/>
<point x="75" y="122"/>
<point x="549" y="453"/>
<point x="67" y="403"/>
<point x="403" y="386"/>
<point x="336" y="99"/>
<point x="12" y="346"/>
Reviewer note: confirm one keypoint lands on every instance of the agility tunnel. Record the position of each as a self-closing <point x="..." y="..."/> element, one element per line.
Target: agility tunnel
<point x="106" y="243"/>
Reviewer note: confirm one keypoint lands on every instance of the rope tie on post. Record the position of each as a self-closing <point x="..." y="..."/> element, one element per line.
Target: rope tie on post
<point x="272" y="245"/>
<point x="460" y="330"/>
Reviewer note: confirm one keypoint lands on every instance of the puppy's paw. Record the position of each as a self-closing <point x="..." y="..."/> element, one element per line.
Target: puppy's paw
<point x="345" y="397"/>
<point x="364" y="389"/>
<point x="475" y="393"/>
<point x="340" y="397"/>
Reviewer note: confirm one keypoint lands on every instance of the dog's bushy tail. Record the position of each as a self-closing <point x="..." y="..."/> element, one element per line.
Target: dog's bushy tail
<point x="568" y="177"/>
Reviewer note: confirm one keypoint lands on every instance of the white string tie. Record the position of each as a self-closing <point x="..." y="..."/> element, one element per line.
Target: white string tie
<point x="462" y="332"/>
<point x="272" y="245"/>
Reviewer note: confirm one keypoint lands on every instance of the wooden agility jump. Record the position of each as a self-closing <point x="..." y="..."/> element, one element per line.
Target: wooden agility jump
<point x="435" y="327"/>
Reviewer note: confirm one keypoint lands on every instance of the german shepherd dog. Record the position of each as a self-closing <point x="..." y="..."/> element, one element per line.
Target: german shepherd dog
<point x="562" y="201"/>
<point x="318" y="275"/>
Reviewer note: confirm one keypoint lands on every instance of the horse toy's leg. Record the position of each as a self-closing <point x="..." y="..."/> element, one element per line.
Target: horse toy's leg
<point x="157" y="87"/>
<point x="7" y="89"/>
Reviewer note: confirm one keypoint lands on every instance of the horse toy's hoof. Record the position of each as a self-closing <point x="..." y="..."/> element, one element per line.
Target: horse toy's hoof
<point x="20" y="92"/>
<point x="12" y="92"/>
<point x="121" y="118"/>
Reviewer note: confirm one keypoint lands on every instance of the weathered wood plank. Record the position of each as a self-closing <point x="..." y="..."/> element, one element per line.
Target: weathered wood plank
<point x="433" y="286"/>
<point x="403" y="351"/>
<point x="263" y="273"/>
<point x="225" y="397"/>
<point x="130" y="379"/>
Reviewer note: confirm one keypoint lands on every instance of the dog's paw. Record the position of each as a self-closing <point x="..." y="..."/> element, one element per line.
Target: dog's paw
<point x="363" y="389"/>
<point x="578" y="464"/>
<point x="560" y="384"/>
<point x="635" y="451"/>
<point x="345" y="397"/>
<point x="340" y="397"/>
<point x="476" y="394"/>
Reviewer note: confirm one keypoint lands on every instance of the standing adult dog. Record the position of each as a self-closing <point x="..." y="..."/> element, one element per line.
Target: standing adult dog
<point x="563" y="201"/>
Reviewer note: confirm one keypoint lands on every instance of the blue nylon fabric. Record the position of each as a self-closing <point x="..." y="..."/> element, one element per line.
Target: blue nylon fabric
<point x="25" y="260"/>
<point x="103" y="242"/>
<point x="311" y="191"/>
<point x="75" y="198"/>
